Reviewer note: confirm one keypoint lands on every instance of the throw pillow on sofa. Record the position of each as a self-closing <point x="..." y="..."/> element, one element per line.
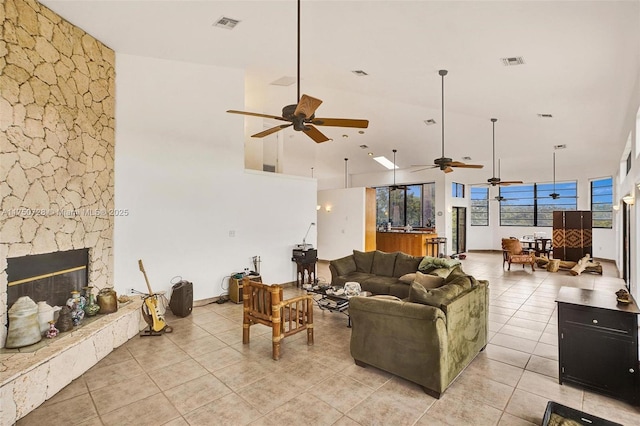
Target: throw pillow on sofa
<point x="458" y="277"/>
<point x="429" y="281"/>
<point x="435" y="297"/>
<point x="408" y="278"/>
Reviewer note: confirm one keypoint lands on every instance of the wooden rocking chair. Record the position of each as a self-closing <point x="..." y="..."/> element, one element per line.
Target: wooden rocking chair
<point x="263" y="304"/>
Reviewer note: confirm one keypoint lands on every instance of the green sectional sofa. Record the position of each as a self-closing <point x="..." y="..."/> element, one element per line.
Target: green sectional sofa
<point x="381" y="273"/>
<point x="426" y="332"/>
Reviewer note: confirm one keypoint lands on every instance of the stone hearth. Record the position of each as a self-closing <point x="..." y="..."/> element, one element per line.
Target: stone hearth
<point x="29" y="379"/>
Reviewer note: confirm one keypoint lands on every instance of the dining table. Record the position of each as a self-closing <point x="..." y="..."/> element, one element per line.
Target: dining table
<point x="541" y="246"/>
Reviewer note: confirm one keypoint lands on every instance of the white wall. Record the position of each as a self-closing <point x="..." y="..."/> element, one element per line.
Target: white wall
<point x="341" y="230"/>
<point x="180" y="173"/>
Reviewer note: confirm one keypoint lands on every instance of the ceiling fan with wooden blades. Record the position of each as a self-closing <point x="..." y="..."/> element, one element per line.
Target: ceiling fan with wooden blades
<point x="444" y="163"/>
<point x="301" y="115"/>
<point x="495" y="181"/>
<point x="555" y="195"/>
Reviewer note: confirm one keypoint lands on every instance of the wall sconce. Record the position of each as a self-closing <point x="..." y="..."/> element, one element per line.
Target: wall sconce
<point x="629" y="199"/>
<point x="328" y="208"/>
<point x="318" y="207"/>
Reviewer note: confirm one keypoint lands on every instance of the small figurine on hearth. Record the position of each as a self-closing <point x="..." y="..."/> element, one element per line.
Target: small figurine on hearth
<point x="53" y="331"/>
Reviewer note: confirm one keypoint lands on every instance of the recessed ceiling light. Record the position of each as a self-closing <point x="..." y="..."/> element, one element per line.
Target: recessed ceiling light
<point x="545" y="115"/>
<point x="370" y="154"/>
<point x="364" y="146"/>
<point x="284" y="81"/>
<point x="385" y="162"/>
<point x="430" y="122"/>
<point x="345" y="136"/>
<point x="512" y="61"/>
<point x="466" y="158"/>
<point x="228" y="23"/>
<point x="562" y="146"/>
<point x="359" y="73"/>
<point x="361" y="132"/>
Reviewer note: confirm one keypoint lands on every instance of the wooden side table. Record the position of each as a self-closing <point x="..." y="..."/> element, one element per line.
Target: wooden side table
<point x="308" y="267"/>
<point x="235" y="287"/>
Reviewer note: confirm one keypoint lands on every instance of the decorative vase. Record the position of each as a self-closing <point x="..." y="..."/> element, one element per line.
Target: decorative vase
<point x="24" y="329"/>
<point x="91" y="308"/>
<point x="45" y="314"/>
<point x="108" y="301"/>
<point x="65" y="322"/>
<point x="53" y="331"/>
<point x="75" y="303"/>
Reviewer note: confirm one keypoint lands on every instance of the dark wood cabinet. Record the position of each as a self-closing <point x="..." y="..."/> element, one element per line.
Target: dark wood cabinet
<point x="598" y="343"/>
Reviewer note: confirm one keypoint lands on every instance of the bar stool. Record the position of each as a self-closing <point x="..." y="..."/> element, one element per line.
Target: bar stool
<point x="437" y="246"/>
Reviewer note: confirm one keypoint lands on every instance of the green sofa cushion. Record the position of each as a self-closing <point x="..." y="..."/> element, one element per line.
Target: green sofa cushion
<point x="433" y="297"/>
<point x="383" y="263"/>
<point x="364" y="260"/>
<point x="344" y="265"/>
<point x="378" y="284"/>
<point x="406" y="264"/>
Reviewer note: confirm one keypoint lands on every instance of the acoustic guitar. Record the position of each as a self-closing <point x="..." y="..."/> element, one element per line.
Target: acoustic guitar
<point x="151" y="302"/>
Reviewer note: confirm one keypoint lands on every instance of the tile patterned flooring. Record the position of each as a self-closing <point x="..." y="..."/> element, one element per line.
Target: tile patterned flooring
<point x="202" y="374"/>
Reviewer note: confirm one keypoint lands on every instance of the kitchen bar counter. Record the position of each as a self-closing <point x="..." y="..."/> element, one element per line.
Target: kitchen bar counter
<point x="412" y="242"/>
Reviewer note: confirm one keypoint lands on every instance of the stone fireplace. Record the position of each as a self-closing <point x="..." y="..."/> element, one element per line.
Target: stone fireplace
<point x="57" y="142"/>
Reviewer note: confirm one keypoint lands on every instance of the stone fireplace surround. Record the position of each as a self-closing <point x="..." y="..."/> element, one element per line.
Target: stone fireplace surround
<point x="57" y="146"/>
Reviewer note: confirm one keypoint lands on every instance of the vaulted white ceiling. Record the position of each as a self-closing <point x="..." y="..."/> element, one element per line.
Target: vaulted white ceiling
<point x="582" y="62"/>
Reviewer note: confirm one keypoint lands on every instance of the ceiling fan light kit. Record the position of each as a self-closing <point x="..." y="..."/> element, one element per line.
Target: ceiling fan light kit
<point x="302" y="114"/>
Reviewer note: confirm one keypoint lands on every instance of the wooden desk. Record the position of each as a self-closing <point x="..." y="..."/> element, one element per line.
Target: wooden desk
<point x="413" y="243"/>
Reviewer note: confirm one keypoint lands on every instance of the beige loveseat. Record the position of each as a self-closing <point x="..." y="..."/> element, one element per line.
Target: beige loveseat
<point x="429" y="337"/>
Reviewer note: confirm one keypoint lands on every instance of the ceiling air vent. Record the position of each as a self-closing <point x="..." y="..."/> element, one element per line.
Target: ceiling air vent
<point x="227" y="23"/>
<point x="545" y="115"/>
<point x="359" y="73"/>
<point x="430" y="122"/>
<point x="512" y="61"/>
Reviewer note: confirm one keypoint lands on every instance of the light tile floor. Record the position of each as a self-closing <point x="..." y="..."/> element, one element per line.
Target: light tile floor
<point x="202" y="374"/>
